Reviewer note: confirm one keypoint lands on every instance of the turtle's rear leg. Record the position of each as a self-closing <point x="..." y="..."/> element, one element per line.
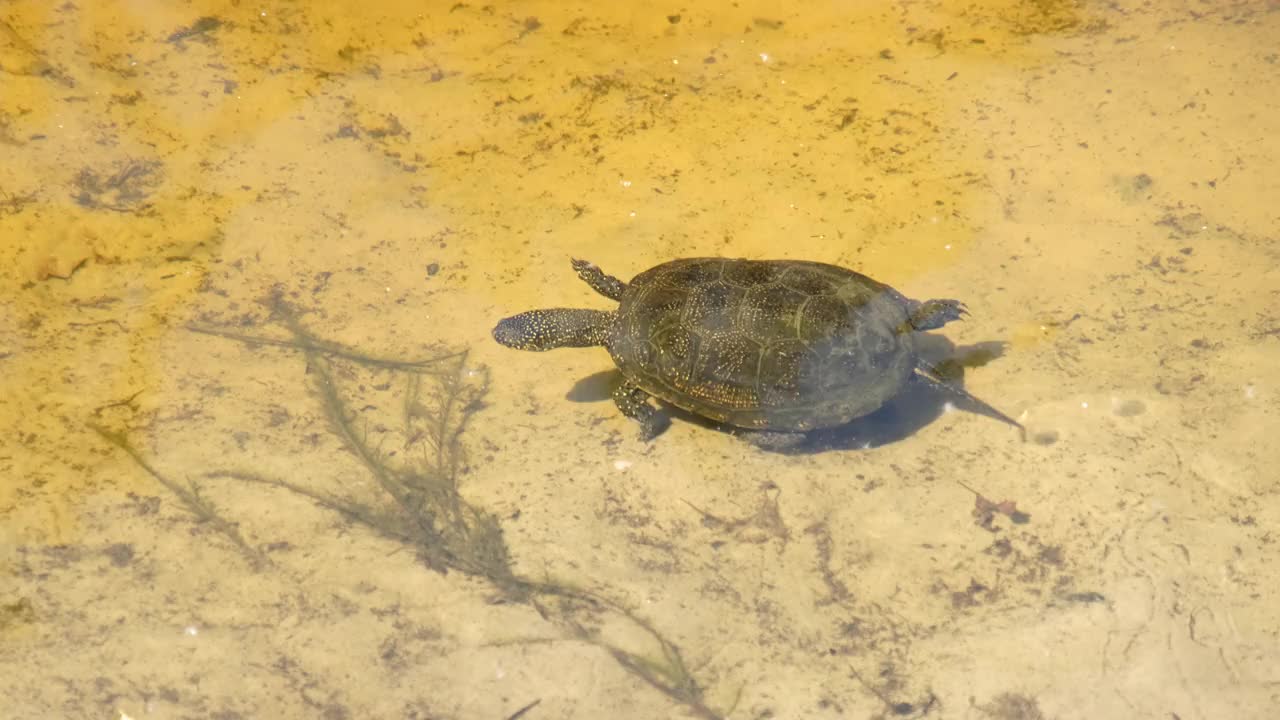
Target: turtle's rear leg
<point x="634" y="403"/>
<point x="607" y="285"/>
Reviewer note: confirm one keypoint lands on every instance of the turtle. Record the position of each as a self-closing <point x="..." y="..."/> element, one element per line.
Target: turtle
<point x="779" y="347"/>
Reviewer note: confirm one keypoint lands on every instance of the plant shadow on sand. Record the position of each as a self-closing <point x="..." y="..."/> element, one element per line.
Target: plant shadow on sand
<point x="419" y="504"/>
<point x="919" y="403"/>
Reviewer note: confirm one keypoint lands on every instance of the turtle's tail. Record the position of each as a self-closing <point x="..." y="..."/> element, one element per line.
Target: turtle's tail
<point x="974" y="404"/>
<point x="554" y="328"/>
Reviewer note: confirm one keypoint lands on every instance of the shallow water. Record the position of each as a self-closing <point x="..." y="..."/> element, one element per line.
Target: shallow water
<point x="230" y="230"/>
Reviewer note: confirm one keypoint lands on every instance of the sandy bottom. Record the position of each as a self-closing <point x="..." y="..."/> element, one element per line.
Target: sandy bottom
<point x="261" y="457"/>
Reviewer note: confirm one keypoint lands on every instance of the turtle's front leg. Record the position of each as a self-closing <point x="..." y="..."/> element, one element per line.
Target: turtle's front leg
<point x="634" y="403"/>
<point x="607" y="285"/>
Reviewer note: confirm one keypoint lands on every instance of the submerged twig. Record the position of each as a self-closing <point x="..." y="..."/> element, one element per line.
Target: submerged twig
<point x="354" y="510"/>
<point x="188" y="495"/>
<point x="424" y="509"/>
<point x="522" y="711"/>
<point x="332" y="349"/>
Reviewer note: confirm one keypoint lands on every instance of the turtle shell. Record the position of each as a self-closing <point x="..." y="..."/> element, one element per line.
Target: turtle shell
<point x="780" y="345"/>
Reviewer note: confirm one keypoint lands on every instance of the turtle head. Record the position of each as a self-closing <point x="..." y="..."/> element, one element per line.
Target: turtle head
<point x="549" y="329"/>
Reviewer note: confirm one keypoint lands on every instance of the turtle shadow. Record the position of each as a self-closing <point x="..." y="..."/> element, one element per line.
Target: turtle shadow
<point x="919" y="403"/>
